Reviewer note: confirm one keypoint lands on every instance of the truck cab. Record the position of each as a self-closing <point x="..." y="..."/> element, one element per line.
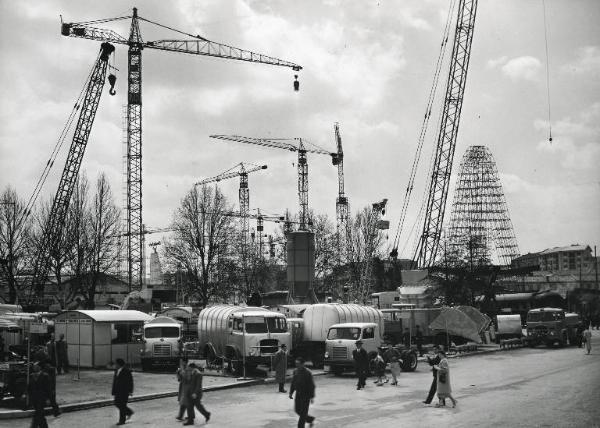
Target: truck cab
<point x="341" y="341"/>
<point x="162" y="345"/>
<point x="546" y="325"/>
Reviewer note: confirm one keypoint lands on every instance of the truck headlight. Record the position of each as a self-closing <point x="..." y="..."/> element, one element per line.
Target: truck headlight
<point x="326" y="355"/>
<point x="253" y="352"/>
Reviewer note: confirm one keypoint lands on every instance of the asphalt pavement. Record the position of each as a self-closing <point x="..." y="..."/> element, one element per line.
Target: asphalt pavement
<point x="522" y="387"/>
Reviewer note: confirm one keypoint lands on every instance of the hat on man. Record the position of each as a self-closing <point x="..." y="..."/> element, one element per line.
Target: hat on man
<point x="283" y="346"/>
<point x="359" y="342"/>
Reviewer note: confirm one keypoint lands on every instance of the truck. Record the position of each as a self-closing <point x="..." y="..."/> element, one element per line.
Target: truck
<point x="239" y="335"/>
<point x="508" y="327"/>
<point x="320" y="324"/>
<point x="162" y="342"/>
<point x="547" y="326"/>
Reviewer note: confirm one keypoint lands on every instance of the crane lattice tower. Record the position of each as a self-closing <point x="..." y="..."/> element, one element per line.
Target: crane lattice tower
<point x="480" y="230"/>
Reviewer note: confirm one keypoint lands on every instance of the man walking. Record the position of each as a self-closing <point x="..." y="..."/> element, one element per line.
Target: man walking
<point x="433" y="361"/>
<point x="304" y="386"/>
<point x="62" y="357"/>
<point x="51" y="350"/>
<point x="51" y="372"/>
<point x="587" y="337"/>
<point x="361" y="362"/>
<point x="392" y="356"/>
<point x="419" y="340"/>
<point x="39" y="392"/>
<point x="280" y="366"/>
<point x="122" y="388"/>
<point x="192" y="388"/>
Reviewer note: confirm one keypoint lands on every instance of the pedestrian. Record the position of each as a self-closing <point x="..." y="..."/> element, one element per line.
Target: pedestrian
<point x="433" y="360"/>
<point x="361" y="363"/>
<point x="51" y="372"/>
<point x="51" y="350"/>
<point x="192" y="392"/>
<point x="180" y="398"/>
<point x="406" y="338"/>
<point x="394" y="358"/>
<point x="304" y="387"/>
<point x="122" y="388"/>
<point x="419" y="340"/>
<point x="62" y="356"/>
<point x="39" y="392"/>
<point x="280" y="366"/>
<point x="444" y="389"/>
<point x="587" y="338"/>
<point x="379" y="367"/>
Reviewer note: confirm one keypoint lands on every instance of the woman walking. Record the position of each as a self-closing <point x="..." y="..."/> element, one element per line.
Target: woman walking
<point x="444" y="389"/>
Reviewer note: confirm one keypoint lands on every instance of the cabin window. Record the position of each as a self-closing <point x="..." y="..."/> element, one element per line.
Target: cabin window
<point x="369" y="333"/>
<point x="345" y="333"/>
<point x="156" y="332"/>
<point x="276" y="325"/>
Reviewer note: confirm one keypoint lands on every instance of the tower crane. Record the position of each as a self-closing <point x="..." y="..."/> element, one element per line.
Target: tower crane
<point x="293" y="145"/>
<point x="244" y="198"/>
<point x="341" y="203"/>
<point x="196" y="45"/>
<point x="428" y="244"/>
<point x="60" y="206"/>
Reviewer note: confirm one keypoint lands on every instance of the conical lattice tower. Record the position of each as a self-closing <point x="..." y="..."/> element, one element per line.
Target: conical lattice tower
<point x="480" y="231"/>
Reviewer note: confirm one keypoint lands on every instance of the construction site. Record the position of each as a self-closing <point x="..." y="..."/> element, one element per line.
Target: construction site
<point x="441" y="190"/>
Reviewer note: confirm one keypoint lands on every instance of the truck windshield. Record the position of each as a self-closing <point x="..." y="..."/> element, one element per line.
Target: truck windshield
<point x="349" y="333"/>
<point x="256" y="327"/>
<point x="156" y="332"/>
<point x="545" y="316"/>
<point x="276" y="324"/>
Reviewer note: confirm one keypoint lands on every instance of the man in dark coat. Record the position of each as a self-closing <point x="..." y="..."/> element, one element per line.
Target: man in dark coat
<point x="304" y="386"/>
<point x="39" y="392"/>
<point x="280" y="366"/>
<point x="406" y="338"/>
<point x="361" y="363"/>
<point x="122" y="388"/>
<point x="62" y="357"/>
<point x="51" y="372"/>
<point x="51" y="350"/>
<point x="419" y="340"/>
<point x="192" y="392"/>
<point x="433" y="361"/>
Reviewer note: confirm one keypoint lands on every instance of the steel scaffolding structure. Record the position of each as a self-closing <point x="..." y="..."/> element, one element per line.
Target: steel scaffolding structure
<point x="480" y="231"/>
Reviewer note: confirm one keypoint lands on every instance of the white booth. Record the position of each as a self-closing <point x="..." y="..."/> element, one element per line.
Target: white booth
<point x="96" y="338"/>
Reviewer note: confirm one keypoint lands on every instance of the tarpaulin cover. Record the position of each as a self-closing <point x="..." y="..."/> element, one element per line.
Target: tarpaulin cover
<point x="457" y="323"/>
<point x="482" y="320"/>
<point x="8" y="325"/>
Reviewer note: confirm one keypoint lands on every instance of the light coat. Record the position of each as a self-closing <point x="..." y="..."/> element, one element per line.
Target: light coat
<point x="444" y="389"/>
<point x="280" y="365"/>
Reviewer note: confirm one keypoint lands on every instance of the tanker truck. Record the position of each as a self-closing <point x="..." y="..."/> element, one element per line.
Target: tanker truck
<point x="238" y="335"/>
<point x="330" y="328"/>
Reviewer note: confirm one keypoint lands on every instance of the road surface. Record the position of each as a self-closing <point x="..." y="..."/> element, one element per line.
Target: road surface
<point x="523" y="387"/>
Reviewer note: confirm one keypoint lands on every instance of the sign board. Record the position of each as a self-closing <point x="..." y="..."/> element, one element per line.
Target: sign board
<point x="38" y="328"/>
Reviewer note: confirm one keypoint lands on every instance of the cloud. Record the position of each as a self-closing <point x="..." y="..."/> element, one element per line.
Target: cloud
<point x="588" y="60"/>
<point x="495" y="62"/>
<point x="522" y="68"/>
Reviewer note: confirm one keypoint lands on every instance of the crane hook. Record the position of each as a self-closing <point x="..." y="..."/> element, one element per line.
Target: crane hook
<point x="112" y="79"/>
<point x="296" y="83"/>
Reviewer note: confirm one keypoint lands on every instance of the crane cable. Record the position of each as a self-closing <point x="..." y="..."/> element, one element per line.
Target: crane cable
<point x="547" y="73"/>
<point x="424" y="125"/>
<point x="59" y="143"/>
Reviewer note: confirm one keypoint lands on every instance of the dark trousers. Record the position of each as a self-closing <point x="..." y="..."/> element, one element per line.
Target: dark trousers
<point x="301" y="407"/>
<point x="432" y="390"/>
<point x="361" y="373"/>
<point x="121" y="404"/>
<point x="282" y="387"/>
<point x="62" y="365"/>
<point x="52" y="399"/>
<point x="198" y="404"/>
<point x="39" y="419"/>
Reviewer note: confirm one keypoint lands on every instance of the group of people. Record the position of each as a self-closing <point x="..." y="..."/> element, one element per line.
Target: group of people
<point x="50" y="360"/>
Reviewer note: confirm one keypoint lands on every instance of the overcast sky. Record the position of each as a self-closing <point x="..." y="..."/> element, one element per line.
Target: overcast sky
<point x="367" y="65"/>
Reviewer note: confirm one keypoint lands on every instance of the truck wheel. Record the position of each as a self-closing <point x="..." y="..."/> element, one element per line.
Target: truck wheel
<point x="410" y="361"/>
<point x="337" y="371"/>
<point x="318" y="361"/>
<point x="146" y="365"/>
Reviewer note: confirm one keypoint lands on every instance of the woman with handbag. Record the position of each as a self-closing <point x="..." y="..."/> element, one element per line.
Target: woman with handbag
<point x="444" y="389"/>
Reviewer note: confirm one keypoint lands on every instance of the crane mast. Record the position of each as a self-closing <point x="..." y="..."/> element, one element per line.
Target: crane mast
<point x="428" y="244"/>
<point x="60" y="206"/>
<point x="341" y="203"/>
<point x="197" y="45"/>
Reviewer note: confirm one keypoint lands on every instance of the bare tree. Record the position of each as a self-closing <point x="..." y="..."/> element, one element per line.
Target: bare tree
<point x="364" y="244"/>
<point x="15" y="241"/>
<point x="104" y="226"/>
<point x="202" y="234"/>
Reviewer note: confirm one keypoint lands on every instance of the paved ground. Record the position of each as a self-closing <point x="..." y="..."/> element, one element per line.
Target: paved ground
<point x="524" y="387"/>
